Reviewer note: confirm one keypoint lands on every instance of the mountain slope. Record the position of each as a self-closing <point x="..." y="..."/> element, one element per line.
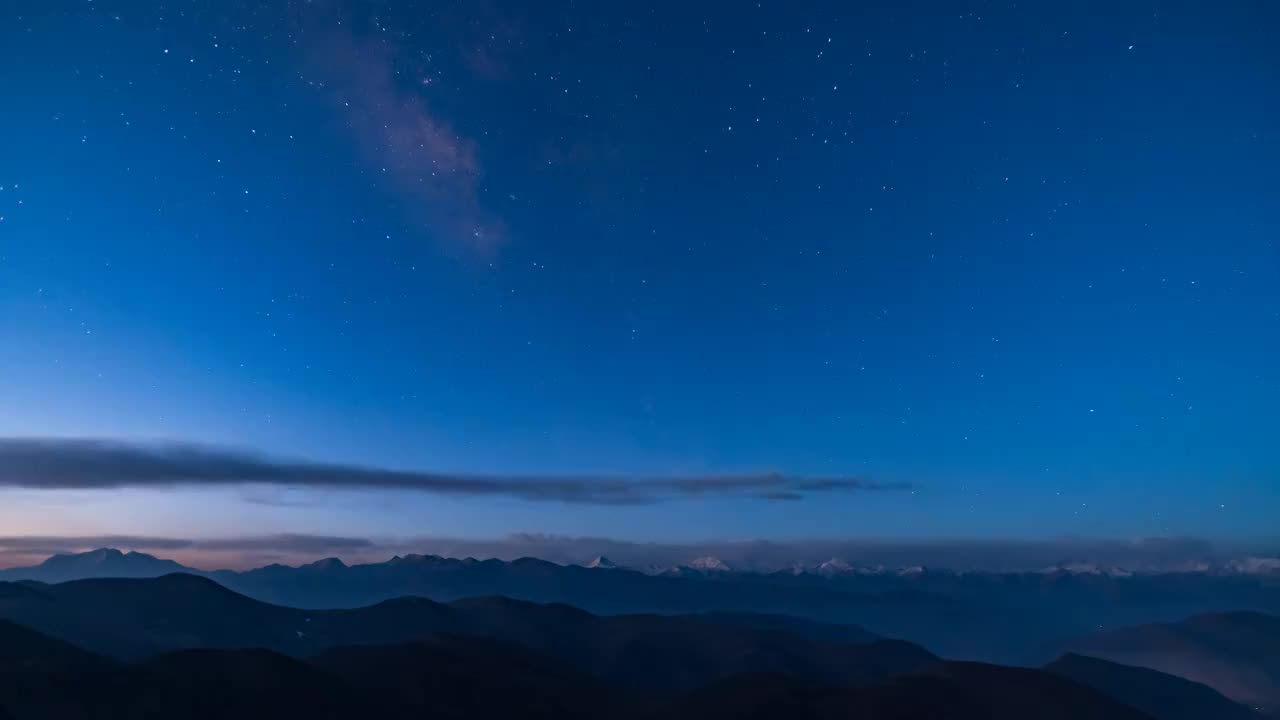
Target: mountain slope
<point x="952" y="691"/>
<point x="1163" y="696"/>
<point x="131" y="618"/>
<point x="239" y="684"/>
<point x="1237" y="654"/>
<point x="467" y="677"/>
<point x="46" y="678"/>
<point x="656" y="651"/>
<point x="196" y="684"/>
<point x="25" y="650"/>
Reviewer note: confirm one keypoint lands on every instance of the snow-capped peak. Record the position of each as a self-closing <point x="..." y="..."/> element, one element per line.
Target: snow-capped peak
<point x="708" y="564"/>
<point x="1084" y="568"/>
<point x="836" y="566"/>
<point x="1255" y="566"/>
<point x="601" y="562"/>
<point x="332" y="563"/>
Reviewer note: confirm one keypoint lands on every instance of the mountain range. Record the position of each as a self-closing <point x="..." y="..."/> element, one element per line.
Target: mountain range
<point x="1022" y="618"/>
<point x="132" y="619"/>
<point x="184" y="646"/>
<point x="462" y="678"/>
<point x="110" y="562"/>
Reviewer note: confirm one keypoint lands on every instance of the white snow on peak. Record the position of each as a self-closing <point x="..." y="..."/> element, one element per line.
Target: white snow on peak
<point x="836" y="566"/>
<point x="1084" y="568"/>
<point x="1255" y="565"/>
<point x="712" y="564"/>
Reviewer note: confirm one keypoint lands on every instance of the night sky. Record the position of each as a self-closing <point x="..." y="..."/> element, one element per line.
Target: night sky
<point x="1015" y="267"/>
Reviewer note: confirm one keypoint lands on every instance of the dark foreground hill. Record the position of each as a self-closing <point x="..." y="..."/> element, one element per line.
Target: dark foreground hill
<point x="1237" y="654"/>
<point x="453" y="677"/>
<point x="25" y="650"/>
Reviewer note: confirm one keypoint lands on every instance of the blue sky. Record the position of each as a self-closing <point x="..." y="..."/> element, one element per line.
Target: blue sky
<point x="1020" y="257"/>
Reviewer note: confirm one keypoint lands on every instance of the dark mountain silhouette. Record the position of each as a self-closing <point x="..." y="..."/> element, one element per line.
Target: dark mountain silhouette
<point x="601" y="562"/>
<point x="239" y="684"/>
<point x="465" y="677"/>
<point x="44" y="677"/>
<point x="1237" y="654"/>
<point x="137" y="618"/>
<point x="448" y="677"/>
<point x="24" y="650"/>
<point x="100" y="563"/>
<point x="133" y="618"/>
<point x="201" y="684"/>
<point x="1023" y="692"/>
<point x="1025" y="618"/>
<point x="686" y="651"/>
<point x="1163" y="696"/>
<point x="561" y="654"/>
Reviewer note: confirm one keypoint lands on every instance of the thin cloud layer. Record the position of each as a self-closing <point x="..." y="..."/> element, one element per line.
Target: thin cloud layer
<point x="282" y="543"/>
<point x="85" y="464"/>
<point x="35" y="545"/>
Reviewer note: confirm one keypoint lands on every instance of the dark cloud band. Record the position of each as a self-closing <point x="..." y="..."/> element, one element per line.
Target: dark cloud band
<point x="81" y="464"/>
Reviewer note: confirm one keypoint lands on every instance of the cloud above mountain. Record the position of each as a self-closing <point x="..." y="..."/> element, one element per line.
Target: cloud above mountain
<point x="87" y="464"/>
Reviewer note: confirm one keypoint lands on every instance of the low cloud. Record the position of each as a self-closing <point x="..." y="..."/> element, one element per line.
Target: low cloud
<point x="287" y="543"/>
<point x="280" y="543"/>
<point x="82" y="464"/>
<point x="52" y="545"/>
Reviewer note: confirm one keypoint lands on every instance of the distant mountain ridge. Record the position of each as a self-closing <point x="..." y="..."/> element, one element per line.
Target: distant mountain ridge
<point x="111" y="562"/>
<point x="1163" y="696"/>
<point x="103" y="562"/>
<point x="1236" y="653"/>
<point x="1022" y="618"/>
